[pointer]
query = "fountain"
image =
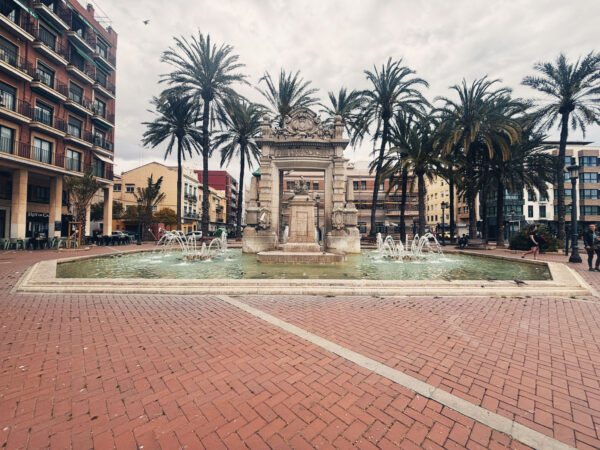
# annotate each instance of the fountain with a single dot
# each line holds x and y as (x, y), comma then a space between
(176, 240)
(391, 249)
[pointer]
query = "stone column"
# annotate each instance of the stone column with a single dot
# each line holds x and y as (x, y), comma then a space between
(88, 222)
(107, 220)
(18, 208)
(55, 213)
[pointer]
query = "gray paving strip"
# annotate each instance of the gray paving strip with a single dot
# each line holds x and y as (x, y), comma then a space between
(495, 421)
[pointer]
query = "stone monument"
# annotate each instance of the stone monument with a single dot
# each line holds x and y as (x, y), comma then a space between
(302, 143)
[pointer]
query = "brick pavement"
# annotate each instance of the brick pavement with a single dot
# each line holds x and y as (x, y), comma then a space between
(186, 371)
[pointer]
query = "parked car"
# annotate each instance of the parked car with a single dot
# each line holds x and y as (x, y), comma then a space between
(196, 235)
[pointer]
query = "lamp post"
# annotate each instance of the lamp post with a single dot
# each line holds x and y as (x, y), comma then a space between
(444, 206)
(317, 198)
(139, 233)
(512, 219)
(573, 175)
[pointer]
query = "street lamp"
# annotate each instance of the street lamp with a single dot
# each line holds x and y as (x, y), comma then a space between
(444, 206)
(317, 198)
(512, 219)
(573, 175)
(139, 236)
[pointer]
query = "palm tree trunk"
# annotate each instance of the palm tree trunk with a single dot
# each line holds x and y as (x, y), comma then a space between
(403, 205)
(483, 204)
(421, 194)
(238, 218)
(471, 195)
(205, 154)
(179, 181)
(384, 138)
(451, 188)
(560, 178)
(500, 214)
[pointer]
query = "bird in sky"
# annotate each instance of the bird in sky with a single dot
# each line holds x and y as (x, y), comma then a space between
(146, 21)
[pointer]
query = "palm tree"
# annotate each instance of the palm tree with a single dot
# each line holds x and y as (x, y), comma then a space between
(528, 167)
(574, 91)
(176, 119)
(345, 105)
(394, 91)
(290, 92)
(476, 119)
(81, 191)
(208, 72)
(150, 197)
(241, 121)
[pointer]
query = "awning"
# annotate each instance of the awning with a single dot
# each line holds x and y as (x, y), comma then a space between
(84, 55)
(103, 158)
(256, 173)
(83, 19)
(51, 25)
(26, 8)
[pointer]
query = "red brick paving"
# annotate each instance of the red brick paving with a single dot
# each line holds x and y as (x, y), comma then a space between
(174, 371)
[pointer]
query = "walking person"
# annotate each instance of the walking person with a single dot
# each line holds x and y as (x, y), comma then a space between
(591, 246)
(534, 242)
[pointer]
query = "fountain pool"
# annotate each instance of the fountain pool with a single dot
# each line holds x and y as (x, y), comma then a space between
(369, 265)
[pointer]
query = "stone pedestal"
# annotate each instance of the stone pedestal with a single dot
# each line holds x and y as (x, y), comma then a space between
(255, 241)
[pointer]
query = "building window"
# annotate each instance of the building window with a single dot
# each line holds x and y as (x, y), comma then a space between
(567, 193)
(45, 74)
(315, 186)
(75, 93)
(588, 210)
(380, 227)
(42, 150)
(542, 211)
(38, 194)
(530, 195)
(290, 185)
(588, 193)
(588, 161)
(362, 227)
(363, 185)
(543, 197)
(101, 77)
(7, 138)
(9, 52)
(130, 188)
(101, 48)
(98, 168)
(117, 188)
(8, 95)
(75, 127)
(99, 108)
(73, 160)
(43, 113)
(10, 10)
(48, 38)
(530, 211)
(588, 177)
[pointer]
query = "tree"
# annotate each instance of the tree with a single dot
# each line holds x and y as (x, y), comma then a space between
(97, 211)
(476, 120)
(291, 92)
(414, 139)
(81, 191)
(166, 216)
(131, 214)
(208, 72)
(241, 121)
(529, 166)
(345, 105)
(117, 209)
(150, 197)
(175, 123)
(574, 91)
(394, 90)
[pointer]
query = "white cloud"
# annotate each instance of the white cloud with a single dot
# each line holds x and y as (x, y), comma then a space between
(333, 42)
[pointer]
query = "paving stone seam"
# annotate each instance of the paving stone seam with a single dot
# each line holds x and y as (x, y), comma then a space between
(495, 421)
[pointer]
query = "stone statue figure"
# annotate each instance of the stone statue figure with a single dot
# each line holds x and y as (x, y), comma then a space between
(302, 187)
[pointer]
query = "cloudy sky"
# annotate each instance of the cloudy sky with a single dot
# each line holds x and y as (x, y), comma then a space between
(333, 42)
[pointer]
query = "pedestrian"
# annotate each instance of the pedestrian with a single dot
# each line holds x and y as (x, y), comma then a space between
(589, 241)
(534, 242)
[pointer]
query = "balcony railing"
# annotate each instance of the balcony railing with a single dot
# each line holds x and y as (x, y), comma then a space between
(17, 15)
(84, 67)
(9, 56)
(106, 85)
(51, 83)
(16, 105)
(103, 143)
(50, 120)
(86, 102)
(73, 164)
(52, 42)
(58, 9)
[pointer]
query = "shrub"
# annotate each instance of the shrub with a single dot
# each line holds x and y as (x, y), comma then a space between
(521, 241)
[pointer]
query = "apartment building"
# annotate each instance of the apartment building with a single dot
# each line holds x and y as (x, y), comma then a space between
(222, 181)
(125, 188)
(57, 103)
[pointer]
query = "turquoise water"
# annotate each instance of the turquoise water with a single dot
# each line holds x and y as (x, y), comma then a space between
(368, 265)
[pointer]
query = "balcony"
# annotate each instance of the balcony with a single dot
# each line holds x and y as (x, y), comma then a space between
(107, 60)
(102, 144)
(79, 104)
(14, 109)
(83, 71)
(14, 65)
(48, 45)
(48, 123)
(85, 40)
(78, 137)
(55, 12)
(102, 119)
(48, 87)
(15, 20)
(106, 89)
